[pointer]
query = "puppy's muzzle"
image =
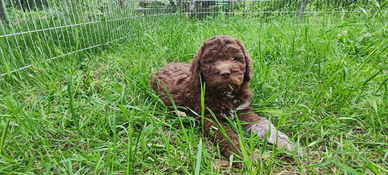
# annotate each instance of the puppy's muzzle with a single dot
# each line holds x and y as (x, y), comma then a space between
(224, 68)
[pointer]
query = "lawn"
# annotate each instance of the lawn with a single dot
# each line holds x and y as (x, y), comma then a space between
(323, 81)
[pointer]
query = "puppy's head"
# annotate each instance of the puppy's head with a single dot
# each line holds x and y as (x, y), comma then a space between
(223, 63)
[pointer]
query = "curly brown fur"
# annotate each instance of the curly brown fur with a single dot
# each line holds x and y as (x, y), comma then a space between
(224, 67)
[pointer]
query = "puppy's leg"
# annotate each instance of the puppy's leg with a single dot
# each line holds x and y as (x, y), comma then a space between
(212, 129)
(261, 126)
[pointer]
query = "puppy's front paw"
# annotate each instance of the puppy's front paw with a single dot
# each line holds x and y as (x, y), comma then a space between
(265, 127)
(284, 142)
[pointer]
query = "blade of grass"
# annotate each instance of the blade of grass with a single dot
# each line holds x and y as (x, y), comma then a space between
(346, 168)
(203, 91)
(5, 129)
(246, 159)
(71, 104)
(199, 157)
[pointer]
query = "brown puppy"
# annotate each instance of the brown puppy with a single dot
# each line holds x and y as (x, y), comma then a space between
(224, 67)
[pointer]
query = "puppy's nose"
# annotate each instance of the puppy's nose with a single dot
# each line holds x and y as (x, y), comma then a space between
(225, 74)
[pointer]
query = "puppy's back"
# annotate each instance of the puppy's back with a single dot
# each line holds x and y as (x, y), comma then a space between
(175, 77)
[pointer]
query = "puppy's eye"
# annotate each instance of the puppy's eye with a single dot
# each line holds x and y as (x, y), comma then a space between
(235, 59)
(211, 61)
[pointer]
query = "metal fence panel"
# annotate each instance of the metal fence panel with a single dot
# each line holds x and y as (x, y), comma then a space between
(37, 31)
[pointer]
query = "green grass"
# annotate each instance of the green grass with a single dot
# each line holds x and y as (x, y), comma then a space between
(322, 81)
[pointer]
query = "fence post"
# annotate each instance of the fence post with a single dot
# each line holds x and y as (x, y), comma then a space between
(302, 6)
(122, 4)
(2, 12)
(180, 6)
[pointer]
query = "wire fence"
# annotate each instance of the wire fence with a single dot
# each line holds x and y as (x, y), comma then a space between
(38, 31)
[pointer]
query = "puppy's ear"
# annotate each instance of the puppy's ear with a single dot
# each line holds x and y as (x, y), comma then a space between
(248, 62)
(195, 69)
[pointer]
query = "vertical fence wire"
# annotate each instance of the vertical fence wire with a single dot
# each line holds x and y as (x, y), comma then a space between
(28, 29)
(16, 23)
(41, 23)
(37, 31)
(43, 32)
